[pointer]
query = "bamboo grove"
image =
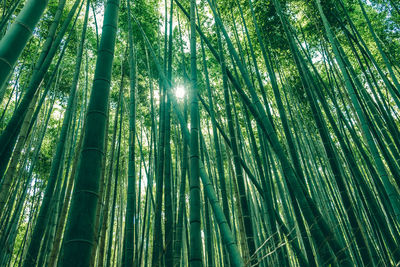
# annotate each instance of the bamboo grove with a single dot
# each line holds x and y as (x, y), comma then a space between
(199, 133)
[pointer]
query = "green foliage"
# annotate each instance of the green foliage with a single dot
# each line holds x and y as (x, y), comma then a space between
(293, 156)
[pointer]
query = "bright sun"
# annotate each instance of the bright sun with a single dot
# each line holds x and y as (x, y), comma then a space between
(180, 91)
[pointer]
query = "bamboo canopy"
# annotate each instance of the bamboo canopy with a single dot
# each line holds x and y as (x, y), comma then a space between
(199, 133)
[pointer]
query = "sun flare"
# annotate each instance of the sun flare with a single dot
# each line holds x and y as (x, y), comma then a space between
(180, 91)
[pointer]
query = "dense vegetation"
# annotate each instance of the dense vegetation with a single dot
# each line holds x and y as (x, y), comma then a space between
(199, 133)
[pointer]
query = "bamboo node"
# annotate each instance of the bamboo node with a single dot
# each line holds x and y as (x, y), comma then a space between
(24, 26)
(80, 241)
(6, 61)
(88, 191)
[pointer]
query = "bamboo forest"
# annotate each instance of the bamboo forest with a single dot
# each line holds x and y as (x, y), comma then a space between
(199, 133)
